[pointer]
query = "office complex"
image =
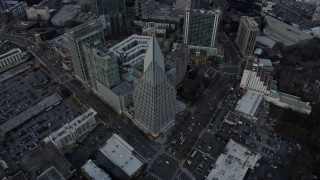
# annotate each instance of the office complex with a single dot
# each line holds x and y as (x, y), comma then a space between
(154, 94)
(102, 65)
(144, 8)
(121, 154)
(246, 36)
(88, 32)
(200, 27)
(74, 130)
(116, 12)
(257, 78)
(234, 162)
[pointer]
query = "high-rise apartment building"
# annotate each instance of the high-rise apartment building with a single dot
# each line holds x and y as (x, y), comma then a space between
(154, 94)
(102, 65)
(88, 32)
(247, 34)
(144, 8)
(200, 27)
(115, 10)
(200, 4)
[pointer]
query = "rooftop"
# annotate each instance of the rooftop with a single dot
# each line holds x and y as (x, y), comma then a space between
(282, 32)
(50, 174)
(43, 157)
(249, 103)
(94, 172)
(122, 89)
(265, 62)
(294, 101)
(78, 121)
(67, 12)
(232, 117)
(234, 162)
(120, 153)
(250, 21)
(10, 53)
(265, 41)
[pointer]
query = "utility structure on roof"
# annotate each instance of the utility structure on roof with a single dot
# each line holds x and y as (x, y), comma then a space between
(154, 94)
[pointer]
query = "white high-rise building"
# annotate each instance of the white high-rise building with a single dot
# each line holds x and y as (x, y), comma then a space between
(154, 94)
(255, 77)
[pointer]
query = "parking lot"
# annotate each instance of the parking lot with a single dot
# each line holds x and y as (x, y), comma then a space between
(203, 157)
(295, 12)
(21, 92)
(39, 127)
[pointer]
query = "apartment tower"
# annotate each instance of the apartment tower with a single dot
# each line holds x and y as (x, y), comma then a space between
(247, 34)
(88, 32)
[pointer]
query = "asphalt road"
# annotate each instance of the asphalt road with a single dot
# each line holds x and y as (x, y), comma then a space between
(138, 141)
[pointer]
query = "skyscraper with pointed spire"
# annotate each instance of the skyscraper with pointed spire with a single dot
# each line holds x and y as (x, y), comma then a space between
(154, 94)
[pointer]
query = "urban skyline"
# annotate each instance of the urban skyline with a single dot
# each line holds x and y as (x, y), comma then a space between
(159, 89)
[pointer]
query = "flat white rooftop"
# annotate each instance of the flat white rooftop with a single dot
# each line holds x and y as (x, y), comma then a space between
(249, 103)
(94, 172)
(119, 152)
(234, 162)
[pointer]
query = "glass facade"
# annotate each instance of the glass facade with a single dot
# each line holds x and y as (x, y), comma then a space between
(200, 27)
(88, 32)
(116, 12)
(103, 66)
(154, 94)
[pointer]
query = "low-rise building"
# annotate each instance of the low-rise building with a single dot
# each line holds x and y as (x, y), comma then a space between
(248, 104)
(50, 174)
(93, 172)
(232, 118)
(74, 130)
(66, 13)
(12, 58)
(118, 97)
(234, 162)
(35, 13)
(284, 33)
(15, 9)
(122, 155)
(149, 31)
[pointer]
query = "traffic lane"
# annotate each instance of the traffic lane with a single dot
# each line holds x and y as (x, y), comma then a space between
(142, 143)
(199, 123)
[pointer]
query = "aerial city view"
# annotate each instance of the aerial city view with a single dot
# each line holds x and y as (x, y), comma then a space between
(159, 89)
